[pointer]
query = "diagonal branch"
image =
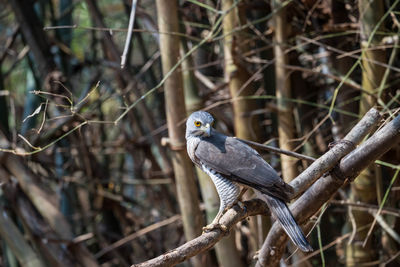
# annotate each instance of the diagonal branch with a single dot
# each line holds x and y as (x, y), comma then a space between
(322, 190)
(209, 239)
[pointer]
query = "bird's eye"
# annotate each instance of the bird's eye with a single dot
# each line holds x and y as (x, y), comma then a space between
(197, 123)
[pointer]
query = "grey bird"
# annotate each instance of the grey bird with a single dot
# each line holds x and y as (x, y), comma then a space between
(233, 165)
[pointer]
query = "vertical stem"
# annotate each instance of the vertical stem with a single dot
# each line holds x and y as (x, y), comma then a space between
(227, 254)
(236, 75)
(286, 125)
(364, 188)
(175, 110)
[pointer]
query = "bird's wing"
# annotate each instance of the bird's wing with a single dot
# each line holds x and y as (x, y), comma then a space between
(240, 163)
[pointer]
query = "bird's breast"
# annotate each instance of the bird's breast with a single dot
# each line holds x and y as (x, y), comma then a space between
(191, 145)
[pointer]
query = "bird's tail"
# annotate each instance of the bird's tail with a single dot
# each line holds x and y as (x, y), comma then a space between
(282, 213)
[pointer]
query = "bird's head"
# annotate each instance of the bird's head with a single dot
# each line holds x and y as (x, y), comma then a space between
(199, 124)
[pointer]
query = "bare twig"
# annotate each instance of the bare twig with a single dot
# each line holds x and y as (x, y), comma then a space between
(367, 207)
(137, 234)
(129, 36)
(277, 150)
(387, 227)
(331, 244)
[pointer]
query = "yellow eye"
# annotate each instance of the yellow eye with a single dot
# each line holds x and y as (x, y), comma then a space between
(197, 123)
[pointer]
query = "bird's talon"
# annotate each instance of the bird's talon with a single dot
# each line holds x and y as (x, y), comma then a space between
(208, 228)
(244, 209)
(223, 227)
(213, 226)
(242, 206)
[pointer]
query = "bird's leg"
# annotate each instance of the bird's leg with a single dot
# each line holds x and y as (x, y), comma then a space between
(237, 201)
(222, 209)
(215, 223)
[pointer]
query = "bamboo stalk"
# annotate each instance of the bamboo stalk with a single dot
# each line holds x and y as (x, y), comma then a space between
(227, 254)
(286, 124)
(237, 78)
(167, 12)
(15, 240)
(236, 74)
(364, 189)
(44, 202)
(111, 50)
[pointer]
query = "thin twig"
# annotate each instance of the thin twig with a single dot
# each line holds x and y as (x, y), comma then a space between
(381, 205)
(387, 228)
(129, 36)
(331, 244)
(137, 234)
(277, 150)
(367, 207)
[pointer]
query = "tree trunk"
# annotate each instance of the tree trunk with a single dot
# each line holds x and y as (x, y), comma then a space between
(175, 110)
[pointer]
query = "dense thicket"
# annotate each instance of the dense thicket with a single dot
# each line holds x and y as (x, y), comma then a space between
(93, 164)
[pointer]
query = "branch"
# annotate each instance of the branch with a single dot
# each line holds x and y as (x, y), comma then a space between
(276, 150)
(129, 35)
(327, 161)
(322, 190)
(209, 239)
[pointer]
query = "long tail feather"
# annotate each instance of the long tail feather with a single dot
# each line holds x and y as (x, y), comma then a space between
(282, 213)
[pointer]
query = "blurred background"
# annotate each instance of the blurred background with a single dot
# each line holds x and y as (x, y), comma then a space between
(93, 163)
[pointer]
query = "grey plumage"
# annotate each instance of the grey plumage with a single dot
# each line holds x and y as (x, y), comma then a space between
(230, 163)
(228, 192)
(282, 213)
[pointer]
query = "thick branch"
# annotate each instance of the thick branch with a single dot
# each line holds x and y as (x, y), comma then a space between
(209, 239)
(322, 190)
(327, 161)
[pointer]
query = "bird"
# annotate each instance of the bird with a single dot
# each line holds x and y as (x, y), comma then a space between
(233, 166)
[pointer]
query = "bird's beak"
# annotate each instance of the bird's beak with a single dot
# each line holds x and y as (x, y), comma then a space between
(207, 129)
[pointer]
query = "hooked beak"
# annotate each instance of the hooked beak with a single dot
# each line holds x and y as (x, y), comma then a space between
(207, 129)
